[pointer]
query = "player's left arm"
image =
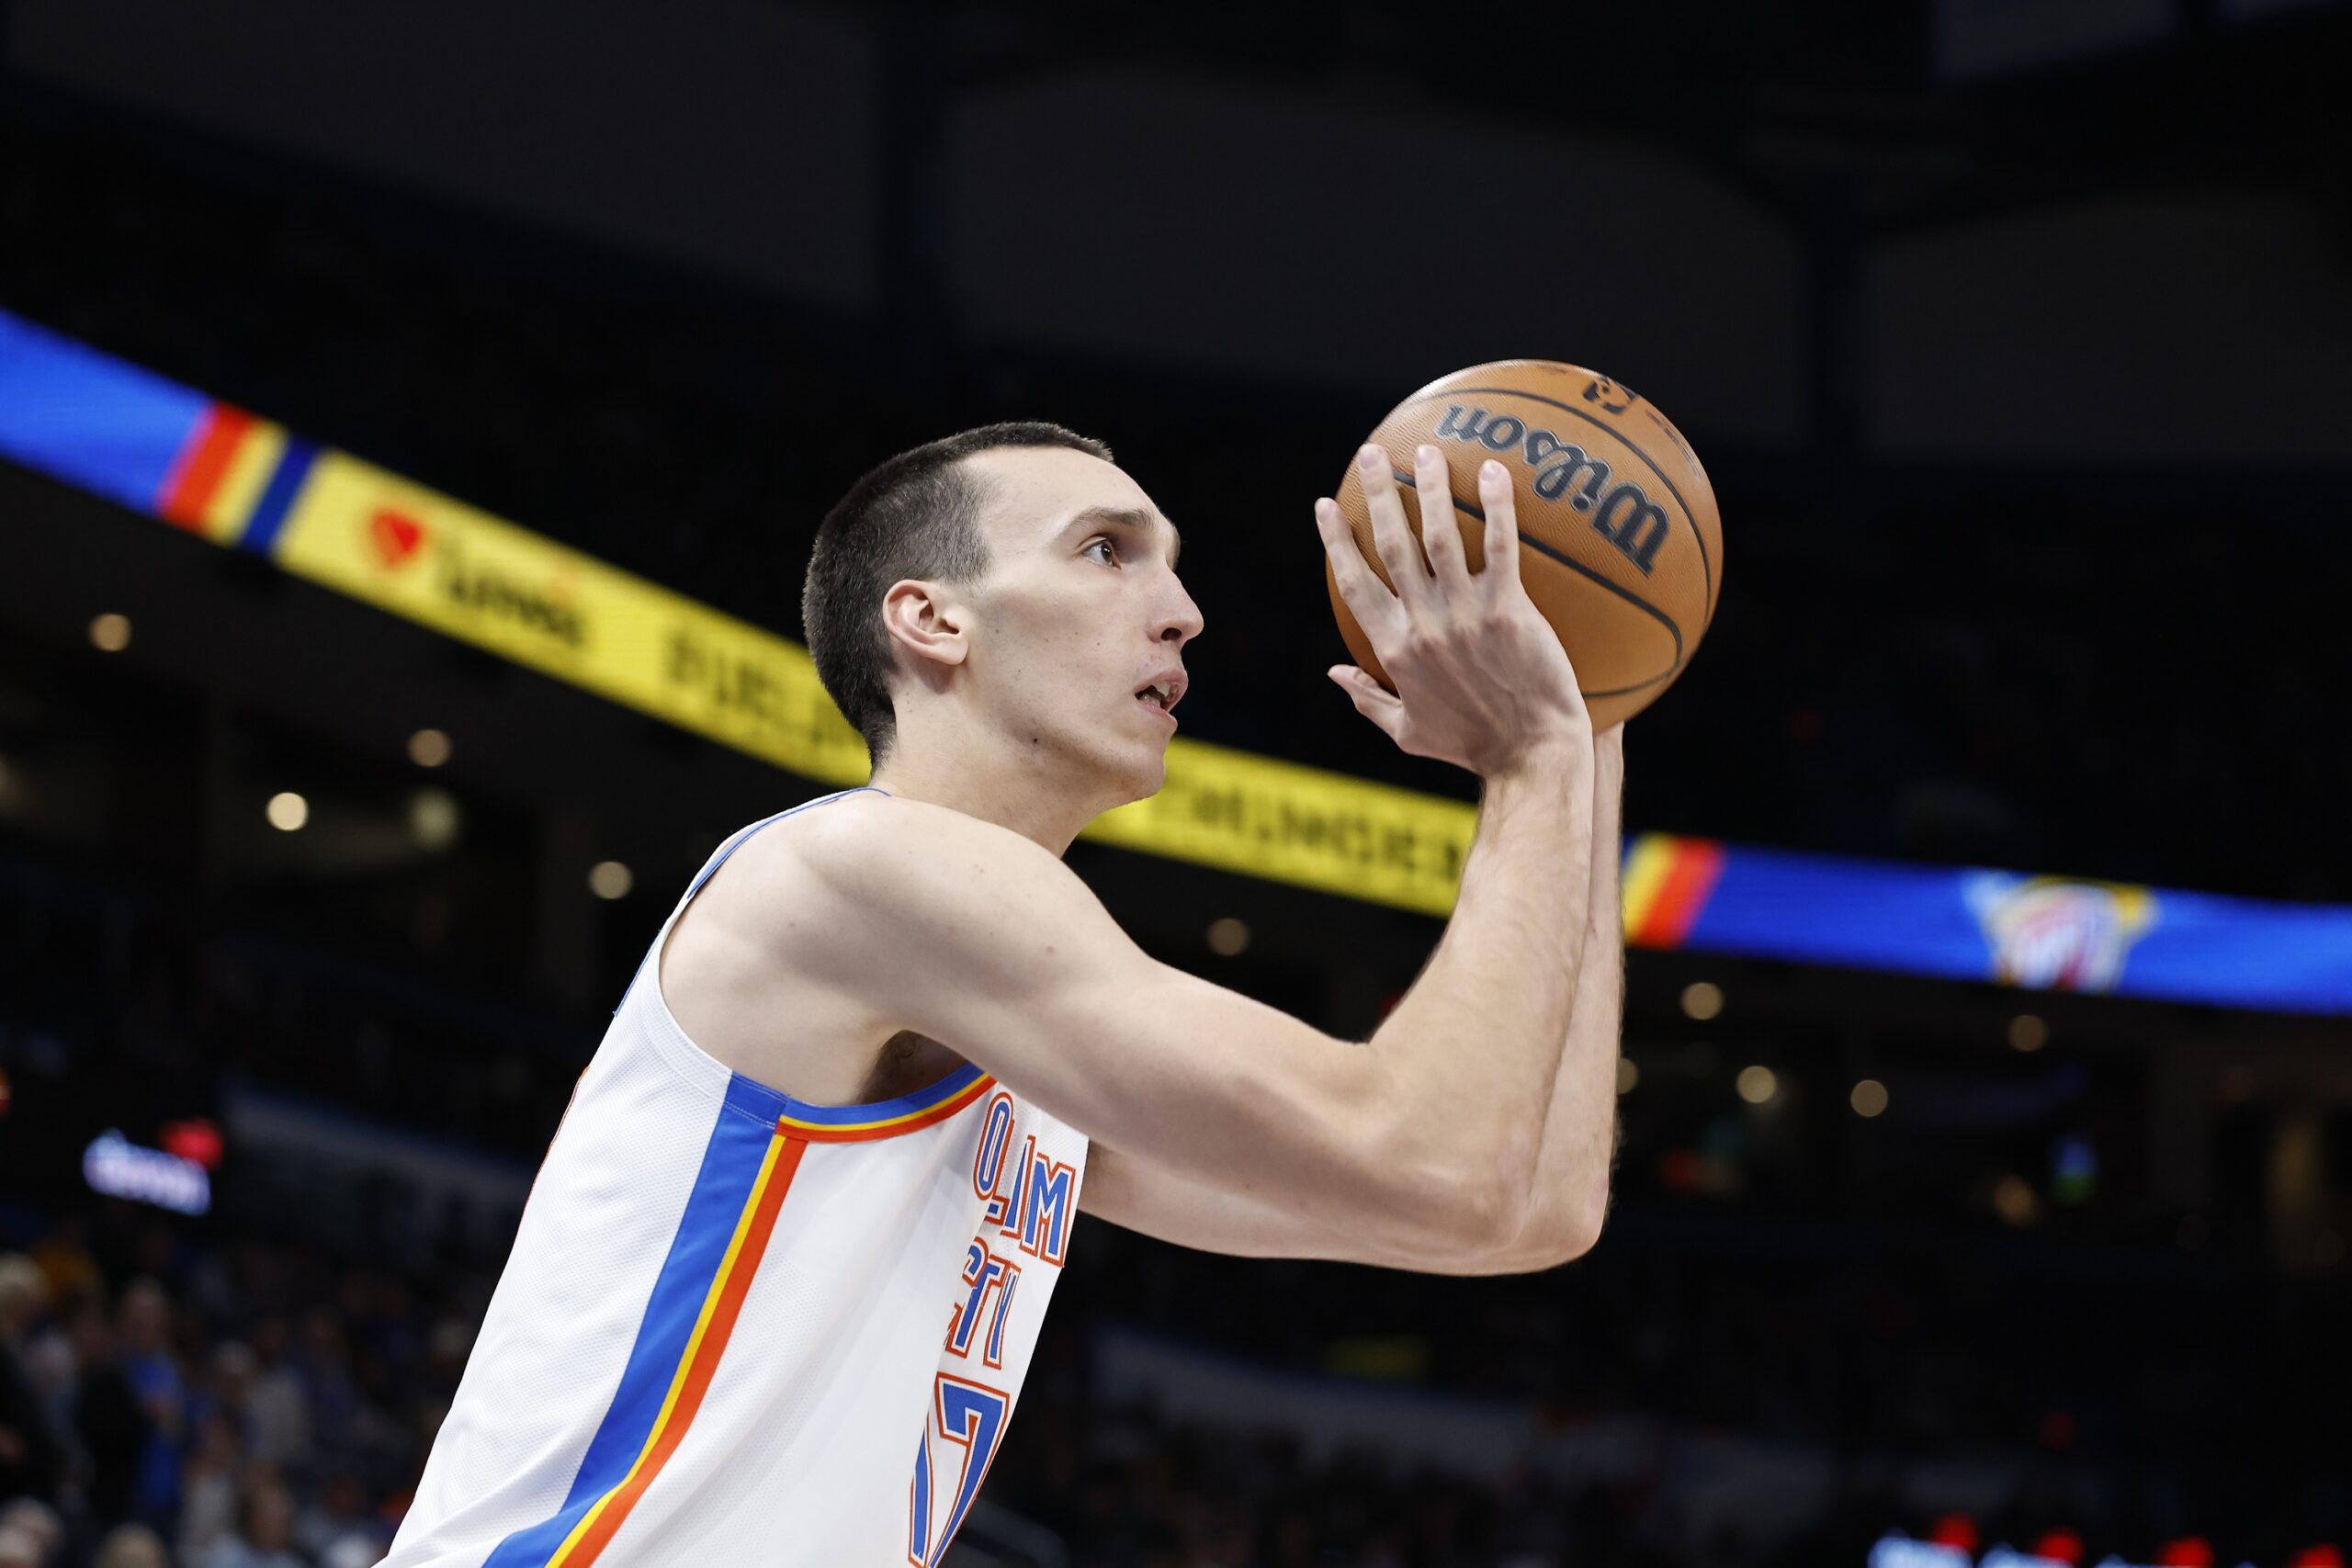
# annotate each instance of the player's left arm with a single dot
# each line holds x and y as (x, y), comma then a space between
(1571, 1194)
(1571, 1199)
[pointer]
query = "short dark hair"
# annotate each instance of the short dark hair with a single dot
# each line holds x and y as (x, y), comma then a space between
(916, 514)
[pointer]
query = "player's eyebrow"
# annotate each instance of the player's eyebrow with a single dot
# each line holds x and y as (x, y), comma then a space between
(1129, 517)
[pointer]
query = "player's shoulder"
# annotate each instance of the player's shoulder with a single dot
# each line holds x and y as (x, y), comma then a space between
(844, 892)
(869, 844)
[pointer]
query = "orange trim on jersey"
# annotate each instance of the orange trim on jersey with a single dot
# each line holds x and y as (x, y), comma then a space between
(721, 1308)
(888, 1127)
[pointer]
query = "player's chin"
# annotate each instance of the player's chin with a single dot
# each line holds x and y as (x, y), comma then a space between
(1144, 773)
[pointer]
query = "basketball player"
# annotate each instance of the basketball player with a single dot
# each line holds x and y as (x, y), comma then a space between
(782, 1271)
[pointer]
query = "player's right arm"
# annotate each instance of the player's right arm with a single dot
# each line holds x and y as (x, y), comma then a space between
(1425, 1138)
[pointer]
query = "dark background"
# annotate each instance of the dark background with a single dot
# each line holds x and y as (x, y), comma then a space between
(2012, 336)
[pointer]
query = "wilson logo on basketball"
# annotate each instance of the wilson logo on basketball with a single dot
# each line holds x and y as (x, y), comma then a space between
(1623, 513)
(396, 536)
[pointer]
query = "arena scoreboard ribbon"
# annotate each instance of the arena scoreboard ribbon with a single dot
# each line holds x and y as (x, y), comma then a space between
(246, 484)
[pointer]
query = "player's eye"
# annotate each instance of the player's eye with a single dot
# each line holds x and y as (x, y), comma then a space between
(1109, 555)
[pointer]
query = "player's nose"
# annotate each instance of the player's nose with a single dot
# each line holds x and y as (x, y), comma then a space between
(1179, 619)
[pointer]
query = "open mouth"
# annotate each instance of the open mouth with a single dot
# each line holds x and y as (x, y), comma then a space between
(1162, 695)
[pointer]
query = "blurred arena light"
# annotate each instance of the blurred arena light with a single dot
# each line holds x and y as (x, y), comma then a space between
(198, 1138)
(1868, 1098)
(2074, 1175)
(117, 1168)
(110, 633)
(1628, 1076)
(1956, 1531)
(2028, 1032)
(1758, 1084)
(610, 879)
(2060, 1545)
(287, 811)
(428, 748)
(1228, 937)
(2013, 1200)
(434, 818)
(1702, 999)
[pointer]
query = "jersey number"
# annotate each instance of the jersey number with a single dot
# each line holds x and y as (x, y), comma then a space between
(968, 1415)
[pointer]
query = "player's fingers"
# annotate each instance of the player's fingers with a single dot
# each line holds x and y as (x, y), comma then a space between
(1391, 535)
(1502, 523)
(1373, 700)
(1367, 598)
(1441, 535)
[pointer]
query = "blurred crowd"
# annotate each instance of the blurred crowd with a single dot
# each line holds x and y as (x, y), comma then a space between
(181, 1394)
(238, 1408)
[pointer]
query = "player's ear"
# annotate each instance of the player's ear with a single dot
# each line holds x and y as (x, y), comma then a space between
(928, 620)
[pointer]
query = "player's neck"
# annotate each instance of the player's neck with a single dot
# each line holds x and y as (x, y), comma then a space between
(1009, 793)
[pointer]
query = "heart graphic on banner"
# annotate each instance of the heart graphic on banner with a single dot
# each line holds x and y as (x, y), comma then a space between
(397, 535)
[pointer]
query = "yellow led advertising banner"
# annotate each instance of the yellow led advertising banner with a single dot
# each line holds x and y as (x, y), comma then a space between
(415, 552)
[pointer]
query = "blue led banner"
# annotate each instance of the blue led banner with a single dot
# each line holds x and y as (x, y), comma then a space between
(2040, 933)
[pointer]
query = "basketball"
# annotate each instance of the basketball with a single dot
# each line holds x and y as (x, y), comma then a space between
(1620, 543)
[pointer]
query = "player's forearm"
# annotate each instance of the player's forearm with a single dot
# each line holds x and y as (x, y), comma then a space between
(1571, 1189)
(1474, 1048)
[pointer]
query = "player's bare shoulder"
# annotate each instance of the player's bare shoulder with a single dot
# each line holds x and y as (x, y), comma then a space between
(838, 937)
(883, 849)
(893, 880)
(758, 942)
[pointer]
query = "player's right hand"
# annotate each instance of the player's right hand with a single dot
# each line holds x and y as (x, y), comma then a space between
(1481, 678)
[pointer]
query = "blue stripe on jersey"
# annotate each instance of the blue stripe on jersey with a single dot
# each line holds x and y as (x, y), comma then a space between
(731, 1168)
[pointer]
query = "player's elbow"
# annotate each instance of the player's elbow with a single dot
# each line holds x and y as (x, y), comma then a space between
(1502, 1201)
(1576, 1227)
(1491, 1211)
(1446, 1196)
(1579, 1230)
(1450, 1208)
(1490, 1203)
(1557, 1233)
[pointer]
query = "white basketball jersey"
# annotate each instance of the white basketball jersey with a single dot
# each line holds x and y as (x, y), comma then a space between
(737, 1329)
